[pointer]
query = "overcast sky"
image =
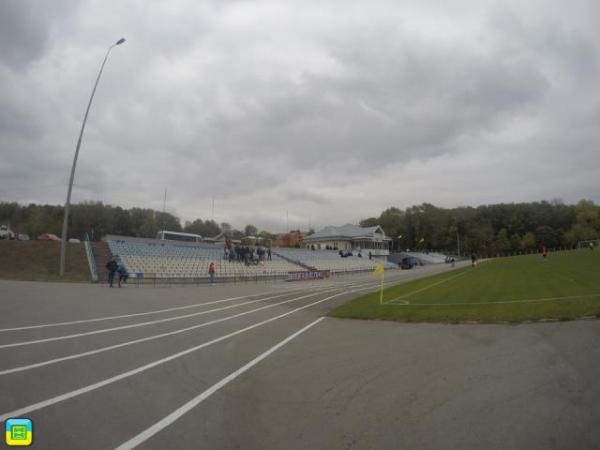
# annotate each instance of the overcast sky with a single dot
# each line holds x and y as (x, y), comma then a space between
(330, 109)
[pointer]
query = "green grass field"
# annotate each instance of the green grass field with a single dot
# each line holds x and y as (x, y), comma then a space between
(564, 286)
(38, 261)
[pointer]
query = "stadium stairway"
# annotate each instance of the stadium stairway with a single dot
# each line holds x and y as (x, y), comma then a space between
(102, 255)
(292, 261)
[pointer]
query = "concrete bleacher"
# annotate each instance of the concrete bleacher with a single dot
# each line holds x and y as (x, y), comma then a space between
(151, 258)
(331, 260)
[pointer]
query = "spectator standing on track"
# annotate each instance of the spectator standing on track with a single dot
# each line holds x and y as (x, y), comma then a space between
(269, 254)
(211, 272)
(591, 246)
(112, 267)
(473, 260)
(123, 274)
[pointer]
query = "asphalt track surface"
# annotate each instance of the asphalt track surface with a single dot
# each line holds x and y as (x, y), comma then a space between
(258, 366)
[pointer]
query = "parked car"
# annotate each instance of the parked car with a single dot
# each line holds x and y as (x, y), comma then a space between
(48, 237)
(74, 241)
(408, 263)
(23, 237)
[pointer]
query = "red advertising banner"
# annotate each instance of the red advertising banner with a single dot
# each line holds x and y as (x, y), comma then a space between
(308, 275)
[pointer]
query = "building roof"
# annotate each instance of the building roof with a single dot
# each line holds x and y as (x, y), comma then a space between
(347, 231)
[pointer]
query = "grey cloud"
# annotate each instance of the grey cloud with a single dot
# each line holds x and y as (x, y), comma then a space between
(307, 195)
(336, 111)
(26, 26)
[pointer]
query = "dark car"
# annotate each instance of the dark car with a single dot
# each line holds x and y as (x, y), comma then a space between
(408, 263)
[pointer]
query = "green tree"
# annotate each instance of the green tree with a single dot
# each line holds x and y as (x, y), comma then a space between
(211, 228)
(528, 242)
(546, 237)
(148, 228)
(37, 221)
(207, 228)
(237, 234)
(502, 243)
(250, 230)
(167, 222)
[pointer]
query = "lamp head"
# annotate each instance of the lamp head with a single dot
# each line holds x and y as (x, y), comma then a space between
(120, 41)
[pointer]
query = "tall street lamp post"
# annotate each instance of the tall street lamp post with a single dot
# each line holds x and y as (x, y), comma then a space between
(63, 244)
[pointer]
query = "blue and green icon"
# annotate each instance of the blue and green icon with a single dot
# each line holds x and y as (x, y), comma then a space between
(19, 432)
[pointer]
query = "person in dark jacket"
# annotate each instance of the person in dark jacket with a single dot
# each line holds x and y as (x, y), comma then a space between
(112, 267)
(123, 274)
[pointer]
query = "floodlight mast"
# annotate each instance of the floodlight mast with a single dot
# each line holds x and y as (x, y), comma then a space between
(63, 244)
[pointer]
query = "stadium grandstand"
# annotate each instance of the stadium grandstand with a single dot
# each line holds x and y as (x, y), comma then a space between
(330, 260)
(150, 258)
(184, 257)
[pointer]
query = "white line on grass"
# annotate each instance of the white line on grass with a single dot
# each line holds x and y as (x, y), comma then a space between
(426, 287)
(502, 302)
(169, 419)
(146, 339)
(135, 325)
(68, 395)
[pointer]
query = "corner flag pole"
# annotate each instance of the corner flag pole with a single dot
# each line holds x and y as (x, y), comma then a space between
(380, 270)
(381, 291)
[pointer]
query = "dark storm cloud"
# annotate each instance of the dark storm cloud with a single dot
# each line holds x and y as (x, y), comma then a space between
(392, 103)
(25, 28)
(333, 110)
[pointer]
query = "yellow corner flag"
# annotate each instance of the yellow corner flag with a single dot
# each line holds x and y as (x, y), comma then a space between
(380, 270)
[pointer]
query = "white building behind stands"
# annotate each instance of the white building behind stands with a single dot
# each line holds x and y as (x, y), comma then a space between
(351, 238)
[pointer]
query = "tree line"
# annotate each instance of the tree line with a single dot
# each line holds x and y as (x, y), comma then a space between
(499, 229)
(98, 219)
(489, 229)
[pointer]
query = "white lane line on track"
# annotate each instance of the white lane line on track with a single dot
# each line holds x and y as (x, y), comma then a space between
(153, 322)
(149, 338)
(135, 325)
(84, 390)
(169, 419)
(177, 308)
(125, 316)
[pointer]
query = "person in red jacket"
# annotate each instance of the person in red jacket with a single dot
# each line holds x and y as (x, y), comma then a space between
(544, 252)
(211, 272)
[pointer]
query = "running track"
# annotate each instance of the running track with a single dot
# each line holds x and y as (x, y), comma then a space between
(258, 366)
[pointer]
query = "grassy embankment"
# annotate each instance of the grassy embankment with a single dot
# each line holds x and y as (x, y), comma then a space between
(38, 261)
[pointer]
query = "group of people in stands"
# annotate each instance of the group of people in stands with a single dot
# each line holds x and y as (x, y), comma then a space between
(247, 254)
(341, 252)
(348, 254)
(327, 247)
